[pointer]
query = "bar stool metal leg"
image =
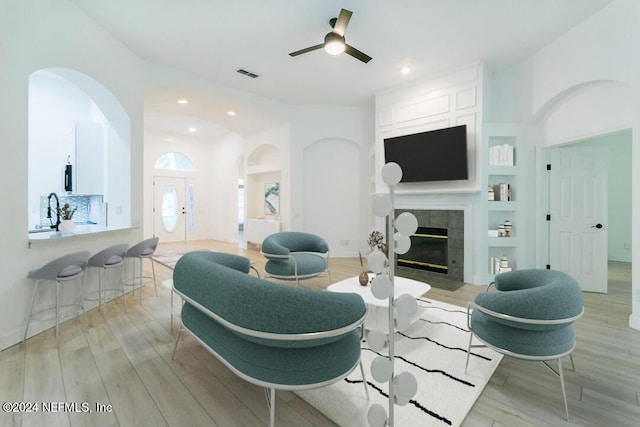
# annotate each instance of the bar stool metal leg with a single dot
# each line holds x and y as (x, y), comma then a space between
(121, 282)
(140, 251)
(111, 258)
(33, 301)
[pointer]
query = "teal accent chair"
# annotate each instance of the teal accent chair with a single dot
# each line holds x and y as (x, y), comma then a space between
(530, 317)
(295, 255)
(270, 334)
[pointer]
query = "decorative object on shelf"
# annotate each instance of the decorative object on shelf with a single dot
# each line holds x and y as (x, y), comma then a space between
(491, 195)
(501, 231)
(507, 227)
(504, 263)
(499, 265)
(501, 155)
(502, 192)
(403, 386)
(363, 278)
(494, 264)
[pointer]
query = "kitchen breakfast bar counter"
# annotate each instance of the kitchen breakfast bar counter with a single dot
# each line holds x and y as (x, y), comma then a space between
(80, 230)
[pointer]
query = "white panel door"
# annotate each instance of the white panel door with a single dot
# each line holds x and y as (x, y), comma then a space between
(578, 207)
(173, 200)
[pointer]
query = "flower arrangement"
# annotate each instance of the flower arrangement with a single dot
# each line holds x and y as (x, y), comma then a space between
(66, 212)
(375, 240)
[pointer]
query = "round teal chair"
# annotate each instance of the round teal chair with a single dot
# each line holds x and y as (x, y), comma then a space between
(295, 255)
(530, 317)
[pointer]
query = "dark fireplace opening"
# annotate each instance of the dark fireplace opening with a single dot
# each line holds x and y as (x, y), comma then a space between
(429, 250)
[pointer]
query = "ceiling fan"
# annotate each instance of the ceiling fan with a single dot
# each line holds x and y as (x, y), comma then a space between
(334, 42)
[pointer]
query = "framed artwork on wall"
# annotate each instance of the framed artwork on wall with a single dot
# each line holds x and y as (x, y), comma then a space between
(272, 198)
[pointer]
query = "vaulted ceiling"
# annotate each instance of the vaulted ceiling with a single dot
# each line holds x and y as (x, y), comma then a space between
(213, 39)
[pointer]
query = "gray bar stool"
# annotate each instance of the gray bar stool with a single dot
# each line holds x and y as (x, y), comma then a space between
(61, 270)
(140, 251)
(109, 258)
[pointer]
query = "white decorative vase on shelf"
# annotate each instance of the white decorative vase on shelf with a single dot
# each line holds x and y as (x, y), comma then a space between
(67, 226)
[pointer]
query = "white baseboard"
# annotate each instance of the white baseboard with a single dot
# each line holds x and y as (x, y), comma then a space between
(634, 321)
(620, 258)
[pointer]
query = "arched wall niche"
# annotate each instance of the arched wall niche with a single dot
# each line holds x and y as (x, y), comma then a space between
(75, 119)
(263, 168)
(328, 164)
(265, 154)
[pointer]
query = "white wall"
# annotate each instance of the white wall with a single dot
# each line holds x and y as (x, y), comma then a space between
(316, 128)
(562, 91)
(222, 183)
(39, 35)
(332, 179)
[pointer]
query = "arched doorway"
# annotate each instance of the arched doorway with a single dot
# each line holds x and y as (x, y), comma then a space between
(174, 198)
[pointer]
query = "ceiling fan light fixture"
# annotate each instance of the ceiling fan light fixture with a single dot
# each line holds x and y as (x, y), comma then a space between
(334, 44)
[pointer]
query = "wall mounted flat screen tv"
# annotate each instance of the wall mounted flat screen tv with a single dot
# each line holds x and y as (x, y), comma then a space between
(437, 155)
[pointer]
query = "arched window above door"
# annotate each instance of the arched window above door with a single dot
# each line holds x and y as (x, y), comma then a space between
(174, 161)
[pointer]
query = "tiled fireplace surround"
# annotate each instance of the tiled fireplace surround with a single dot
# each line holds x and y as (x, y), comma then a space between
(453, 221)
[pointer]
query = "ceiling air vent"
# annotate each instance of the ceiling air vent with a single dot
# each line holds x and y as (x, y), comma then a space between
(247, 73)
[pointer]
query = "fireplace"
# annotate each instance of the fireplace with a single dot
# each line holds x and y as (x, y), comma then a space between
(429, 250)
(437, 247)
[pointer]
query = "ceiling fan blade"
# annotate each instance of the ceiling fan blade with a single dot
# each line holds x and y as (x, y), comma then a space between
(343, 20)
(308, 49)
(350, 50)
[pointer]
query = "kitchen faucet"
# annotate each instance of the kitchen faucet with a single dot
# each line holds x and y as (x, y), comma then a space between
(57, 211)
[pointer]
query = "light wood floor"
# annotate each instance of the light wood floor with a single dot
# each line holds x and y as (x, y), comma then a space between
(125, 361)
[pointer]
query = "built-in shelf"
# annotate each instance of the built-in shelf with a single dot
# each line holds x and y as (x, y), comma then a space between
(502, 206)
(264, 168)
(498, 211)
(501, 241)
(502, 170)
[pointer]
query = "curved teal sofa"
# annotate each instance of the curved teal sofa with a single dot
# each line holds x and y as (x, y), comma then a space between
(273, 335)
(530, 317)
(295, 255)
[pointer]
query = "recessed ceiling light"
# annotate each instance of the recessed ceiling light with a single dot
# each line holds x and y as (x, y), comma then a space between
(405, 69)
(169, 139)
(231, 113)
(182, 101)
(192, 129)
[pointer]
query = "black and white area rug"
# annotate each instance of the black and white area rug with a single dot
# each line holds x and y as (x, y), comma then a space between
(434, 350)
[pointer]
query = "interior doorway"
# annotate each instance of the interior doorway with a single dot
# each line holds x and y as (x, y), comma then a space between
(173, 208)
(617, 205)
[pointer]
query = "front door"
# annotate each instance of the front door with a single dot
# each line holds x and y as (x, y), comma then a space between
(173, 208)
(578, 207)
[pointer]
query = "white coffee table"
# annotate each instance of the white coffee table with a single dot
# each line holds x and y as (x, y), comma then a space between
(378, 316)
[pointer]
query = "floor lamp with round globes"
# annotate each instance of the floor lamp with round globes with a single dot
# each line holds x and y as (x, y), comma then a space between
(402, 386)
